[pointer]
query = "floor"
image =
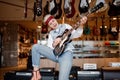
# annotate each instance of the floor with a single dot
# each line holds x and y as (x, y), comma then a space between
(3, 70)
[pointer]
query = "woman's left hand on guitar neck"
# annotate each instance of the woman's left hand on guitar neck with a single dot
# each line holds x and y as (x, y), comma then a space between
(83, 20)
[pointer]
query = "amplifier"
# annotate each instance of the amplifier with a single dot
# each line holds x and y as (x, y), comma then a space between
(111, 74)
(89, 75)
(46, 73)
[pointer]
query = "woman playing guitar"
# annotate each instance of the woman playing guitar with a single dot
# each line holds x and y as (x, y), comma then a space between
(54, 38)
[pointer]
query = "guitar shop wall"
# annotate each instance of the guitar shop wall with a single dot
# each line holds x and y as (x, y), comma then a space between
(100, 40)
(16, 43)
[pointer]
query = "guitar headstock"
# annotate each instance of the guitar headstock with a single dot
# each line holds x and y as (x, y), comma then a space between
(97, 7)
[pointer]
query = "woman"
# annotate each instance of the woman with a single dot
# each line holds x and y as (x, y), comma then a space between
(64, 60)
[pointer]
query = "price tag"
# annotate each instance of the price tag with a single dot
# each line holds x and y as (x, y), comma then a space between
(89, 66)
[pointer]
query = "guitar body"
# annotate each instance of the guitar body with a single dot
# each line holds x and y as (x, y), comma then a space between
(96, 31)
(25, 11)
(34, 11)
(39, 7)
(86, 30)
(46, 11)
(83, 8)
(53, 7)
(103, 31)
(59, 49)
(44, 29)
(72, 11)
(58, 14)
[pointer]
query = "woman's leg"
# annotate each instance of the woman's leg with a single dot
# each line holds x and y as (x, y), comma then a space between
(65, 62)
(37, 51)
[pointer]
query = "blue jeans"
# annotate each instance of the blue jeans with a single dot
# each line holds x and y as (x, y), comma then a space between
(65, 60)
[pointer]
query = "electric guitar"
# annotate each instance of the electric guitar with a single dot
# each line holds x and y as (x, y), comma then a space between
(71, 12)
(37, 8)
(96, 29)
(65, 37)
(83, 6)
(114, 9)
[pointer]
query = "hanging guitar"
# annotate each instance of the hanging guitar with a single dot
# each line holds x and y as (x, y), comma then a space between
(65, 37)
(114, 9)
(83, 6)
(58, 14)
(46, 11)
(70, 9)
(86, 29)
(44, 29)
(25, 10)
(37, 9)
(103, 28)
(114, 29)
(96, 29)
(52, 7)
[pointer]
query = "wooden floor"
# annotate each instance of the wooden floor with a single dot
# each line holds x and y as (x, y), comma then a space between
(3, 70)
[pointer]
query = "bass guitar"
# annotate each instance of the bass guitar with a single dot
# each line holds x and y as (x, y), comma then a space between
(65, 37)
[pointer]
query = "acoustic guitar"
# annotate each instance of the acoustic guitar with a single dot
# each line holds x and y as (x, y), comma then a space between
(59, 48)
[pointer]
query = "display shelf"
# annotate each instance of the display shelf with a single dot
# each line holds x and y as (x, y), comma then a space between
(96, 49)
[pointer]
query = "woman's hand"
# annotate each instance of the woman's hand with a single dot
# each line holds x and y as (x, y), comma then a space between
(56, 42)
(83, 20)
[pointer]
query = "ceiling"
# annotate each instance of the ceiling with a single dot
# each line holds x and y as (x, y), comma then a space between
(13, 10)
